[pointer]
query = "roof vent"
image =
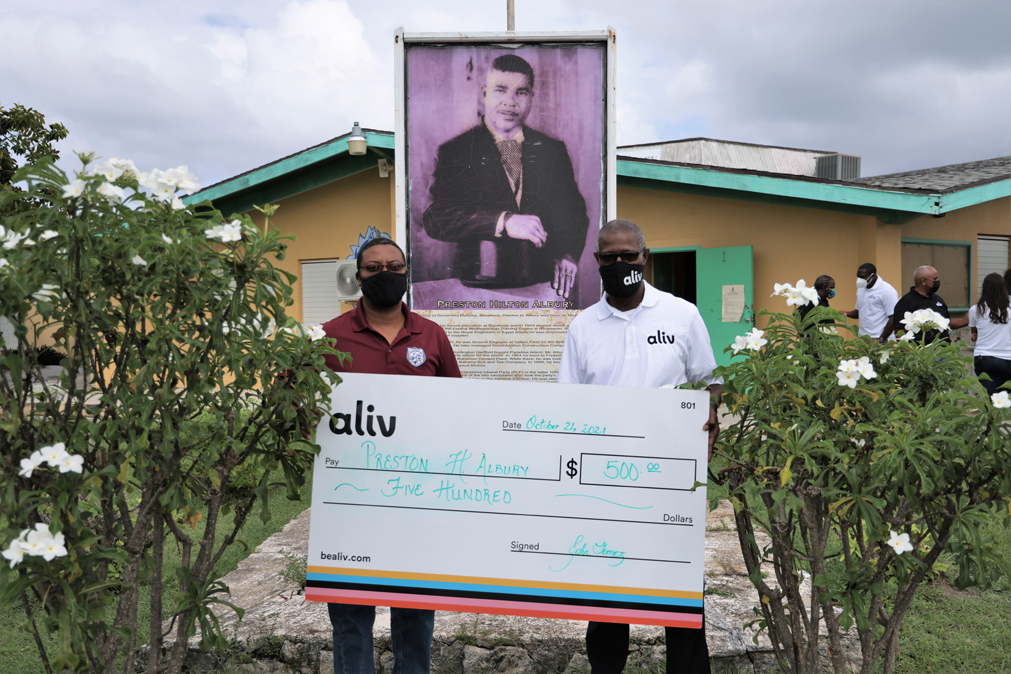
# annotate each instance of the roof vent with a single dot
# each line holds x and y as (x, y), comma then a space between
(837, 167)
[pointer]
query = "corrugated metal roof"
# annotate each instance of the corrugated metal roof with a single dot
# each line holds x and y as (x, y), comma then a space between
(728, 154)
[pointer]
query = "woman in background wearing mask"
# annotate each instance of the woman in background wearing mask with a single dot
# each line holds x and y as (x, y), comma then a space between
(990, 321)
(825, 285)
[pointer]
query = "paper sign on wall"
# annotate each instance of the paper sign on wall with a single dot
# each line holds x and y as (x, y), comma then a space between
(733, 303)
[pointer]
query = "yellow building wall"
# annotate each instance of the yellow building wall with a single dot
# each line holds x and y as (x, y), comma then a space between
(966, 224)
(327, 220)
(788, 242)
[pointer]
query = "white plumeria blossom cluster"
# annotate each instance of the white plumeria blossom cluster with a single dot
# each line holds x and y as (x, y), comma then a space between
(227, 233)
(1001, 400)
(56, 456)
(163, 185)
(923, 319)
(752, 341)
(900, 543)
(799, 295)
(850, 371)
(37, 542)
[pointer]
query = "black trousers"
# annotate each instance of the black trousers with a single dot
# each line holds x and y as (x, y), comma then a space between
(607, 649)
(998, 369)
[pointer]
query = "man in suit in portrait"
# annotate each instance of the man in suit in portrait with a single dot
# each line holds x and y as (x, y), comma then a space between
(506, 195)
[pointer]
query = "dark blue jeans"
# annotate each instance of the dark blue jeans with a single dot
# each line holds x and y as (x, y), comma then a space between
(411, 630)
(998, 369)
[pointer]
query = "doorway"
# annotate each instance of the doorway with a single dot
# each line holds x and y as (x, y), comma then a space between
(673, 272)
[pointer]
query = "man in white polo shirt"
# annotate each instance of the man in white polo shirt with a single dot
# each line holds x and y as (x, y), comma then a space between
(637, 335)
(876, 300)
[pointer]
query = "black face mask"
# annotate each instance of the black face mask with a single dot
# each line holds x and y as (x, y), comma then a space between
(621, 279)
(934, 288)
(385, 288)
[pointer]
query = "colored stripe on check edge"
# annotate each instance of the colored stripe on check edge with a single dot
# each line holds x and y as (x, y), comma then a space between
(532, 609)
(458, 589)
(505, 582)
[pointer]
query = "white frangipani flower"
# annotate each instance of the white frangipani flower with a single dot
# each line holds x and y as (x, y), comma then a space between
(1001, 399)
(900, 543)
(167, 240)
(48, 234)
(53, 547)
(740, 343)
(109, 171)
(884, 356)
(31, 463)
(15, 552)
(226, 233)
(781, 290)
(54, 453)
(847, 366)
(37, 539)
(755, 340)
(113, 192)
(47, 291)
(72, 463)
(908, 337)
(316, 332)
(865, 368)
(139, 261)
(849, 378)
(924, 319)
(74, 189)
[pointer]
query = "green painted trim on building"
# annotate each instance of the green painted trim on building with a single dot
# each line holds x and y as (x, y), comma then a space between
(888, 216)
(939, 242)
(975, 195)
(677, 249)
(293, 184)
(877, 199)
(283, 169)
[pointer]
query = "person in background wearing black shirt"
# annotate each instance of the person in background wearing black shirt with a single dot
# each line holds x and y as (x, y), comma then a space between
(825, 285)
(923, 295)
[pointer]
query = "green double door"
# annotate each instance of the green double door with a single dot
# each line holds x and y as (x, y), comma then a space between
(719, 273)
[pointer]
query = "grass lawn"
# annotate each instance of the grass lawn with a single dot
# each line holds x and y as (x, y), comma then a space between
(18, 653)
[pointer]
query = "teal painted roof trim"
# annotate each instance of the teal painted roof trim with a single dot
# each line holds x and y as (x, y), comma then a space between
(259, 178)
(894, 206)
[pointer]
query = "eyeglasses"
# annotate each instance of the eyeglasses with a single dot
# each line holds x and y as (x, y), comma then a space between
(629, 257)
(375, 267)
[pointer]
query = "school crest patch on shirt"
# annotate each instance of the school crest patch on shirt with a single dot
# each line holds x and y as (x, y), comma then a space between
(416, 356)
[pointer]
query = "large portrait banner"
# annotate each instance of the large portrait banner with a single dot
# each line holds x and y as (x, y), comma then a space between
(506, 166)
(506, 174)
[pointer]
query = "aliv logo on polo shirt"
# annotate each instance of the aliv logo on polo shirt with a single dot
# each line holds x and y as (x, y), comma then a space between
(660, 337)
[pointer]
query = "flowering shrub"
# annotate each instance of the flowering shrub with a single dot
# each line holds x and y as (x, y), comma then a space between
(175, 374)
(863, 463)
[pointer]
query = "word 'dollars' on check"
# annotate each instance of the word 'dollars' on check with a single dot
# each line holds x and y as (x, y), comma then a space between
(518, 498)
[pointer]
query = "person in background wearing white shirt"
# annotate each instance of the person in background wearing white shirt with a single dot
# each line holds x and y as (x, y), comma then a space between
(990, 321)
(637, 335)
(876, 300)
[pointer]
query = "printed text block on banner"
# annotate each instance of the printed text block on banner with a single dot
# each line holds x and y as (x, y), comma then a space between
(519, 498)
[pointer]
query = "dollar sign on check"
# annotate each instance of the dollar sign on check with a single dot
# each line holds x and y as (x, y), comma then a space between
(571, 472)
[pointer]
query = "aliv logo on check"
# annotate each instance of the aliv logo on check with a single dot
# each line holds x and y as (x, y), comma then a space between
(340, 424)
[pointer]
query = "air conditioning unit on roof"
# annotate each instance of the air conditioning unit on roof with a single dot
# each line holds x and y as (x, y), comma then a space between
(837, 167)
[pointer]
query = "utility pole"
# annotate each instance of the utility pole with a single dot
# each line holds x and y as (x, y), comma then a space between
(511, 16)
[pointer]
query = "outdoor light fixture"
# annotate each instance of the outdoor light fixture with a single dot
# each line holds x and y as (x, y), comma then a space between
(357, 143)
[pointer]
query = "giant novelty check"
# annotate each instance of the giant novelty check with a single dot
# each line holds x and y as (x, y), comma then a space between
(515, 498)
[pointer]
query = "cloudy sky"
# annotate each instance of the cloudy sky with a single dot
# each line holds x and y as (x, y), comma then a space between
(225, 86)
